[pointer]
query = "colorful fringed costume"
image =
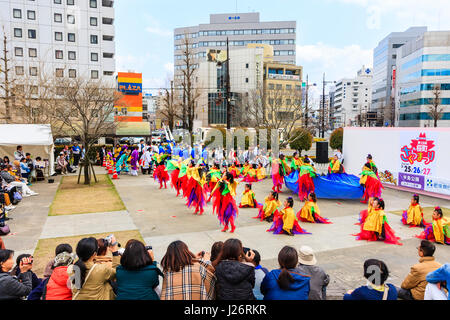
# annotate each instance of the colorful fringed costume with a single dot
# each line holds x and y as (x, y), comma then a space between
(261, 173)
(121, 164)
(305, 181)
(250, 176)
(248, 200)
(213, 177)
(376, 227)
(224, 204)
(196, 190)
(245, 170)
(269, 209)
(372, 185)
(173, 167)
(413, 217)
(160, 173)
(296, 163)
(335, 166)
(284, 222)
(280, 169)
(363, 214)
(437, 231)
(183, 178)
(234, 171)
(311, 213)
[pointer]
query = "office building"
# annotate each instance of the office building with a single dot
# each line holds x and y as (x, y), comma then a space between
(423, 70)
(352, 99)
(241, 29)
(384, 66)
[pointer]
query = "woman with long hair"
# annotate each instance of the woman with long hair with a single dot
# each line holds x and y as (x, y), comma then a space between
(286, 283)
(187, 276)
(91, 281)
(235, 272)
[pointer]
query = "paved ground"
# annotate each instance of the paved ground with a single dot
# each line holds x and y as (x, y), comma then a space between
(163, 218)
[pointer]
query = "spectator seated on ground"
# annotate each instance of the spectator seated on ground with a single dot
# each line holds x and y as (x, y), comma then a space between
(319, 279)
(376, 272)
(286, 283)
(25, 171)
(18, 154)
(61, 163)
(11, 287)
(260, 273)
(16, 270)
(439, 280)
(413, 287)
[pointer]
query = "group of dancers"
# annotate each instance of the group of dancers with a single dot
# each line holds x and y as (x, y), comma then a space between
(200, 184)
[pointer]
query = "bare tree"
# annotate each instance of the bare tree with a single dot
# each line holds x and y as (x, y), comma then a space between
(435, 111)
(86, 109)
(188, 86)
(168, 106)
(7, 81)
(275, 109)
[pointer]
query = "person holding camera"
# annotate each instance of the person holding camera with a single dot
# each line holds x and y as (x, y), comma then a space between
(187, 276)
(91, 281)
(11, 287)
(137, 275)
(16, 271)
(235, 272)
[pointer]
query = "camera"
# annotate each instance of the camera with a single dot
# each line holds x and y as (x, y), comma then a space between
(108, 240)
(148, 248)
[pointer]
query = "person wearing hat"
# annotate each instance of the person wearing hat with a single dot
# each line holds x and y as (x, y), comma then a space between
(319, 279)
(57, 288)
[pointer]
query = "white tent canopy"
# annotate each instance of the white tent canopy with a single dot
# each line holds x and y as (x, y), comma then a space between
(36, 139)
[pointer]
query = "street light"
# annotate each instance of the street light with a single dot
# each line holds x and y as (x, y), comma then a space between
(323, 105)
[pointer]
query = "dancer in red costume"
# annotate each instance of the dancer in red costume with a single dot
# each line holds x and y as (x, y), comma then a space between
(173, 167)
(305, 179)
(270, 207)
(370, 181)
(223, 203)
(196, 189)
(438, 230)
(251, 175)
(376, 226)
(280, 169)
(160, 173)
(285, 222)
(363, 214)
(248, 198)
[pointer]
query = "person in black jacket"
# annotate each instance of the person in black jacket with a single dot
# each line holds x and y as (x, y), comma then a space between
(14, 288)
(235, 272)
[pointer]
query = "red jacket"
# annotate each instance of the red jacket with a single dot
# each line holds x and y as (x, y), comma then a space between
(57, 285)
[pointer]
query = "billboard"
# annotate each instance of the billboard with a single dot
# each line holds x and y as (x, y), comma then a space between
(215, 55)
(413, 158)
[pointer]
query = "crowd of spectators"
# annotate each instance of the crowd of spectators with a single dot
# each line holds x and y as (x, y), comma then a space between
(100, 269)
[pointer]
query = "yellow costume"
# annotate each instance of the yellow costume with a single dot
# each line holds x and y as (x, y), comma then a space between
(261, 173)
(374, 221)
(248, 199)
(270, 206)
(117, 152)
(308, 209)
(234, 171)
(335, 166)
(288, 219)
(415, 215)
(245, 170)
(296, 163)
(439, 227)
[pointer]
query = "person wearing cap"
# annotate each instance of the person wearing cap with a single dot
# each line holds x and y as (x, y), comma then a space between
(57, 288)
(307, 264)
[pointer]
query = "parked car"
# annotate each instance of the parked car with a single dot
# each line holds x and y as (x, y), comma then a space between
(63, 141)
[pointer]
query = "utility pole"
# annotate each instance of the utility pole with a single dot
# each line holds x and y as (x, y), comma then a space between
(227, 88)
(306, 105)
(323, 109)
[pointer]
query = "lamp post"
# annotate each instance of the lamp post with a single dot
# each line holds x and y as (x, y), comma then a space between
(227, 88)
(307, 100)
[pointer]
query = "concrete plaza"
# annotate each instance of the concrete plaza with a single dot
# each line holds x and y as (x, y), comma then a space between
(161, 218)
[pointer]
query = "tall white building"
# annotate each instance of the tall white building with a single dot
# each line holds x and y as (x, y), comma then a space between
(422, 65)
(352, 97)
(70, 38)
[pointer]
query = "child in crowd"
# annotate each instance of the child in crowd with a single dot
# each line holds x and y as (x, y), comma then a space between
(310, 211)
(413, 217)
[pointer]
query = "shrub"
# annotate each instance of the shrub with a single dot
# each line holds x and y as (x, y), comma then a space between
(337, 138)
(301, 139)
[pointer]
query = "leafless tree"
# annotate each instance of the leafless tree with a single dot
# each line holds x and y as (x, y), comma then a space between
(435, 110)
(86, 109)
(189, 86)
(7, 81)
(168, 106)
(275, 109)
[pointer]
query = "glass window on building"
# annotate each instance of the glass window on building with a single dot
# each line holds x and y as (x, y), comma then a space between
(72, 73)
(71, 37)
(32, 52)
(19, 70)
(33, 71)
(17, 13)
(18, 52)
(93, 21)
(31, 15)
(57, 17)
(17, 32)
